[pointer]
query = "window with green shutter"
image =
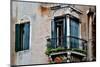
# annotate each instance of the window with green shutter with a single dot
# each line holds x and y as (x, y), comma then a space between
(22, 36)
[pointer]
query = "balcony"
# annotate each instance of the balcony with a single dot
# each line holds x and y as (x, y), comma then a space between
(73, 46)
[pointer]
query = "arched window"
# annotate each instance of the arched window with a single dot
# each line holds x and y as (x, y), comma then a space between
(22, 36)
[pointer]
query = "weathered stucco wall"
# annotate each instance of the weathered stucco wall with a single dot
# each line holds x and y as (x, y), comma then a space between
(40, 25)
(40, 28)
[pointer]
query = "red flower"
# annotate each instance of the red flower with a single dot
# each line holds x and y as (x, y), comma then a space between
(58, 60)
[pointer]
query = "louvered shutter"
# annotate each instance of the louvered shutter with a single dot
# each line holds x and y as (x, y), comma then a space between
(64, 33)
(17, 38)
(74, 30)
(53, 34)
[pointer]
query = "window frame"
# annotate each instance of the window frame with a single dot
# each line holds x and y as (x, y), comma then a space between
(68, 23)
(21, 45)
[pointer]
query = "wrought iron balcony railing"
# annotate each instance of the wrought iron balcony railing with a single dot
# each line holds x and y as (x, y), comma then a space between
(67, 43)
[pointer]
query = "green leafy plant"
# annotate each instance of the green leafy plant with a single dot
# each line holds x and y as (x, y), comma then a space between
(59, 49)
(52, 50)
(79, 50)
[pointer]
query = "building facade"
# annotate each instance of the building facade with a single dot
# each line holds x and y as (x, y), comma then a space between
(43, 33)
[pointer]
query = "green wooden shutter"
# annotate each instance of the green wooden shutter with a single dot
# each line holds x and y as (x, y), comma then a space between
(17, 38)
(75, 33)
(53, 34)
(64, 33)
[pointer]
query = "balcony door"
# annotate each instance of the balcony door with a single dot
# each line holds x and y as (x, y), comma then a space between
(58, 29)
